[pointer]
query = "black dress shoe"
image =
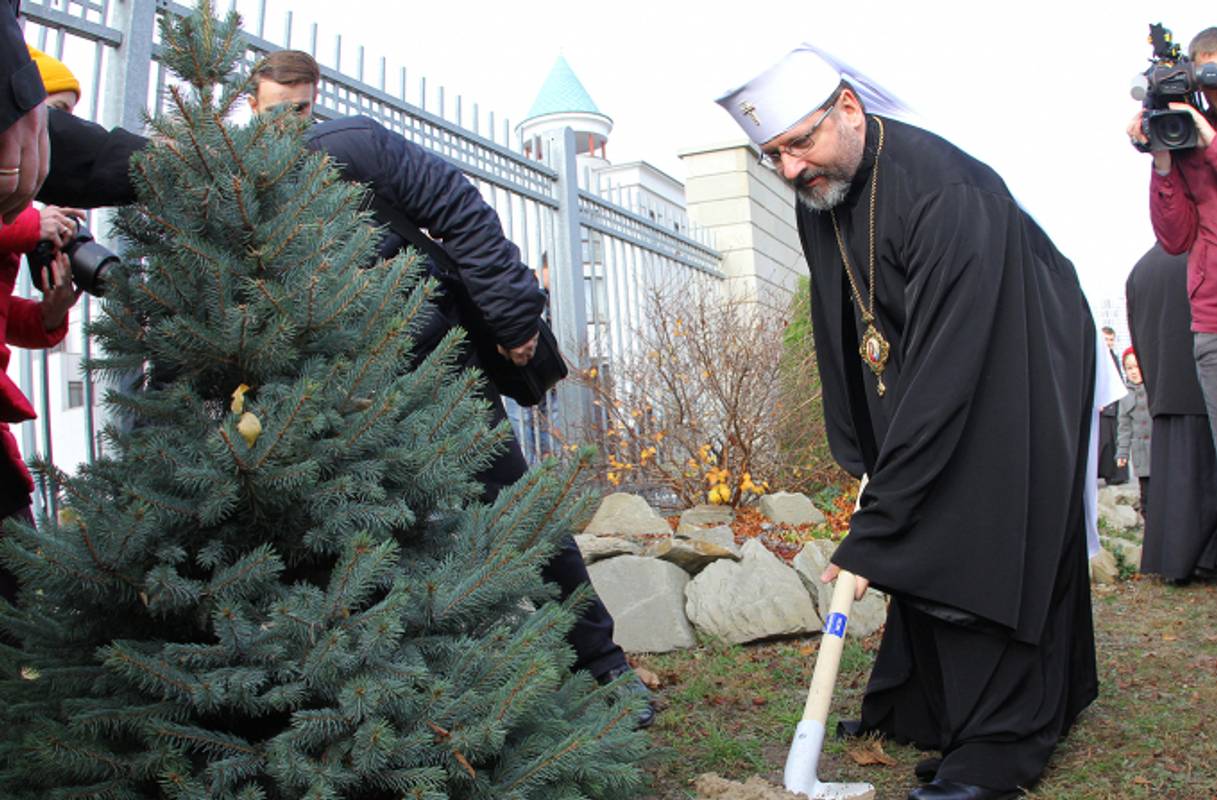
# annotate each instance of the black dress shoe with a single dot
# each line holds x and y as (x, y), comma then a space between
(849, 728)
(632, 685)
(950, 790)
(927, 769)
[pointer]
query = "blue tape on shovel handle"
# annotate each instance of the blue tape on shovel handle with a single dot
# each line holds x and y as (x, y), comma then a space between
(835, 624)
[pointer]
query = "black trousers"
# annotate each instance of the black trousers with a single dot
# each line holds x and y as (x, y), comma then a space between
(1108, 470)
(592, 635)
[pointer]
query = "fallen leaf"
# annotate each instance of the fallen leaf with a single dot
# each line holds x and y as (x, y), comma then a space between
(869, 753)
(647, 677)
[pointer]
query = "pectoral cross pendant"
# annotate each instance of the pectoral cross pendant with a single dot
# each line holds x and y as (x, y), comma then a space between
(874, 350)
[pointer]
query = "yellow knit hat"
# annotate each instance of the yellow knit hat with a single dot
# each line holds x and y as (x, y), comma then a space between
(56, 77)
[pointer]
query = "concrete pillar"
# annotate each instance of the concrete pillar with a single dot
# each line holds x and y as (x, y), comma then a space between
(750, 211)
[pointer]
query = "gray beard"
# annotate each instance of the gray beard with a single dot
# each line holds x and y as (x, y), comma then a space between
(830, 196)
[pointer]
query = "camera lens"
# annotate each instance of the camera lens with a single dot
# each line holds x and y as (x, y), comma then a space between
(1172, 130)
(90, 263)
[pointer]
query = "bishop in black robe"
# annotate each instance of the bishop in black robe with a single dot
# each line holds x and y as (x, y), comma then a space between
(975, 430)
(973, 518)
(1181, 527)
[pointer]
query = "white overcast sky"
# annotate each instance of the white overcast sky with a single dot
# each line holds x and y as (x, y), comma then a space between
(1037, 89)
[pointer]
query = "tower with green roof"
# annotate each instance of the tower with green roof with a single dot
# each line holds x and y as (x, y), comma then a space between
(563, 102)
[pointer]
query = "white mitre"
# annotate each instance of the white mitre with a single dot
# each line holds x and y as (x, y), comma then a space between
(804, 79)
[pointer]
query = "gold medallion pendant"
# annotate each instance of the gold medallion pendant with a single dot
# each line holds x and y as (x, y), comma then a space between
(874, 350)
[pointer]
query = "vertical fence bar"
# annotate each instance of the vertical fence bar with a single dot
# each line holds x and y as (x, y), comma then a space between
(566, 277)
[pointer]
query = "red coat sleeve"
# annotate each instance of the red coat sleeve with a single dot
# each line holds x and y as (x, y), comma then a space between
(21, 234)
(25, 328)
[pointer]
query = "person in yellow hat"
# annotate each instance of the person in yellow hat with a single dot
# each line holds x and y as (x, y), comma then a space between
(62, 88)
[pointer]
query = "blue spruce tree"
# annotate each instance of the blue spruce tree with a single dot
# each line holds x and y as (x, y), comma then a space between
(280, 584)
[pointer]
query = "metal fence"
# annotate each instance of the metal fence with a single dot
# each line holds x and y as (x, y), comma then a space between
(596, 252)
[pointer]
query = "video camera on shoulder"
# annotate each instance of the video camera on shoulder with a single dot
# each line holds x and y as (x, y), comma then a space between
(1171, 78)
(90, 261)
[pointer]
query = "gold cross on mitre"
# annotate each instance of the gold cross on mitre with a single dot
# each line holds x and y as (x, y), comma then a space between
(749, 111)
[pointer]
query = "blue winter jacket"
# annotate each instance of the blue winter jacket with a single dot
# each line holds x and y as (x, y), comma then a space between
(439, 199)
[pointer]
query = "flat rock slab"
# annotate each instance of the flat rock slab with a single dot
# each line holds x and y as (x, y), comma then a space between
(622, 514)
(691, 555)
(721, 536)
(790, 508)
(646, 597)
(757, 598)
(707, 516)
(597, 548)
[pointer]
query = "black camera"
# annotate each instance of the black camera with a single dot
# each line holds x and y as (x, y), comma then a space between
(1171, 78)
(90, 261)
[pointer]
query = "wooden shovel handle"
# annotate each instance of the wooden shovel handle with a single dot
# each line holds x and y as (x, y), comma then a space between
(832, 642)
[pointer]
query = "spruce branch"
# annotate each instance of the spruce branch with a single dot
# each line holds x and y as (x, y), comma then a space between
(176, 94)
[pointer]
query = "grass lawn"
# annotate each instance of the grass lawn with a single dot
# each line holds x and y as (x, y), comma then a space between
(1151, 734)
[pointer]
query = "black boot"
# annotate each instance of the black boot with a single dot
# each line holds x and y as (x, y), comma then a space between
(632, 685)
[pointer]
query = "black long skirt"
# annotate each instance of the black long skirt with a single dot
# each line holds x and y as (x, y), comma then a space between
(1181, 528)
(995, 706)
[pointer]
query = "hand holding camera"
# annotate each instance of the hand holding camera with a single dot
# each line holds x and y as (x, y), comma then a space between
(89, 261)
(58, 294)
(58, 224)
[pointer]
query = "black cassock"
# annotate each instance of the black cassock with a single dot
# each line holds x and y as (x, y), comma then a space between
(973, 519)
(1181, 532)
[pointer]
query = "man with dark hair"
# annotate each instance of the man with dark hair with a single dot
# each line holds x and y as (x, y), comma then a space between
(958, 360)
(435, 196)
(1183, 210)
(1181, 526)
(285, 77)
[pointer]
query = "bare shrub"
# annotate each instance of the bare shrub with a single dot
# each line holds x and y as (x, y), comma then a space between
(717, 399)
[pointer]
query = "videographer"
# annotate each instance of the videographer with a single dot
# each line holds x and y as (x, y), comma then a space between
(1183, 210)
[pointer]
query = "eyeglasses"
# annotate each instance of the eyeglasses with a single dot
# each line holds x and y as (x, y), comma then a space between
(797, 148)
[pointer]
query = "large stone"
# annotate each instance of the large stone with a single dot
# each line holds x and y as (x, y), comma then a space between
(1103, 567)
(721, 536)
(790, 508)
(646, 599)
(1124, 494)
(1117, 514)
(865, 616)
(622, 514)
(707, 516)
(757, 598)
(597, 548)
(1130, 550)
(691, 555)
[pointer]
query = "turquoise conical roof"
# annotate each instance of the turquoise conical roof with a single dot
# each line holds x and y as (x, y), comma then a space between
(562, 93)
